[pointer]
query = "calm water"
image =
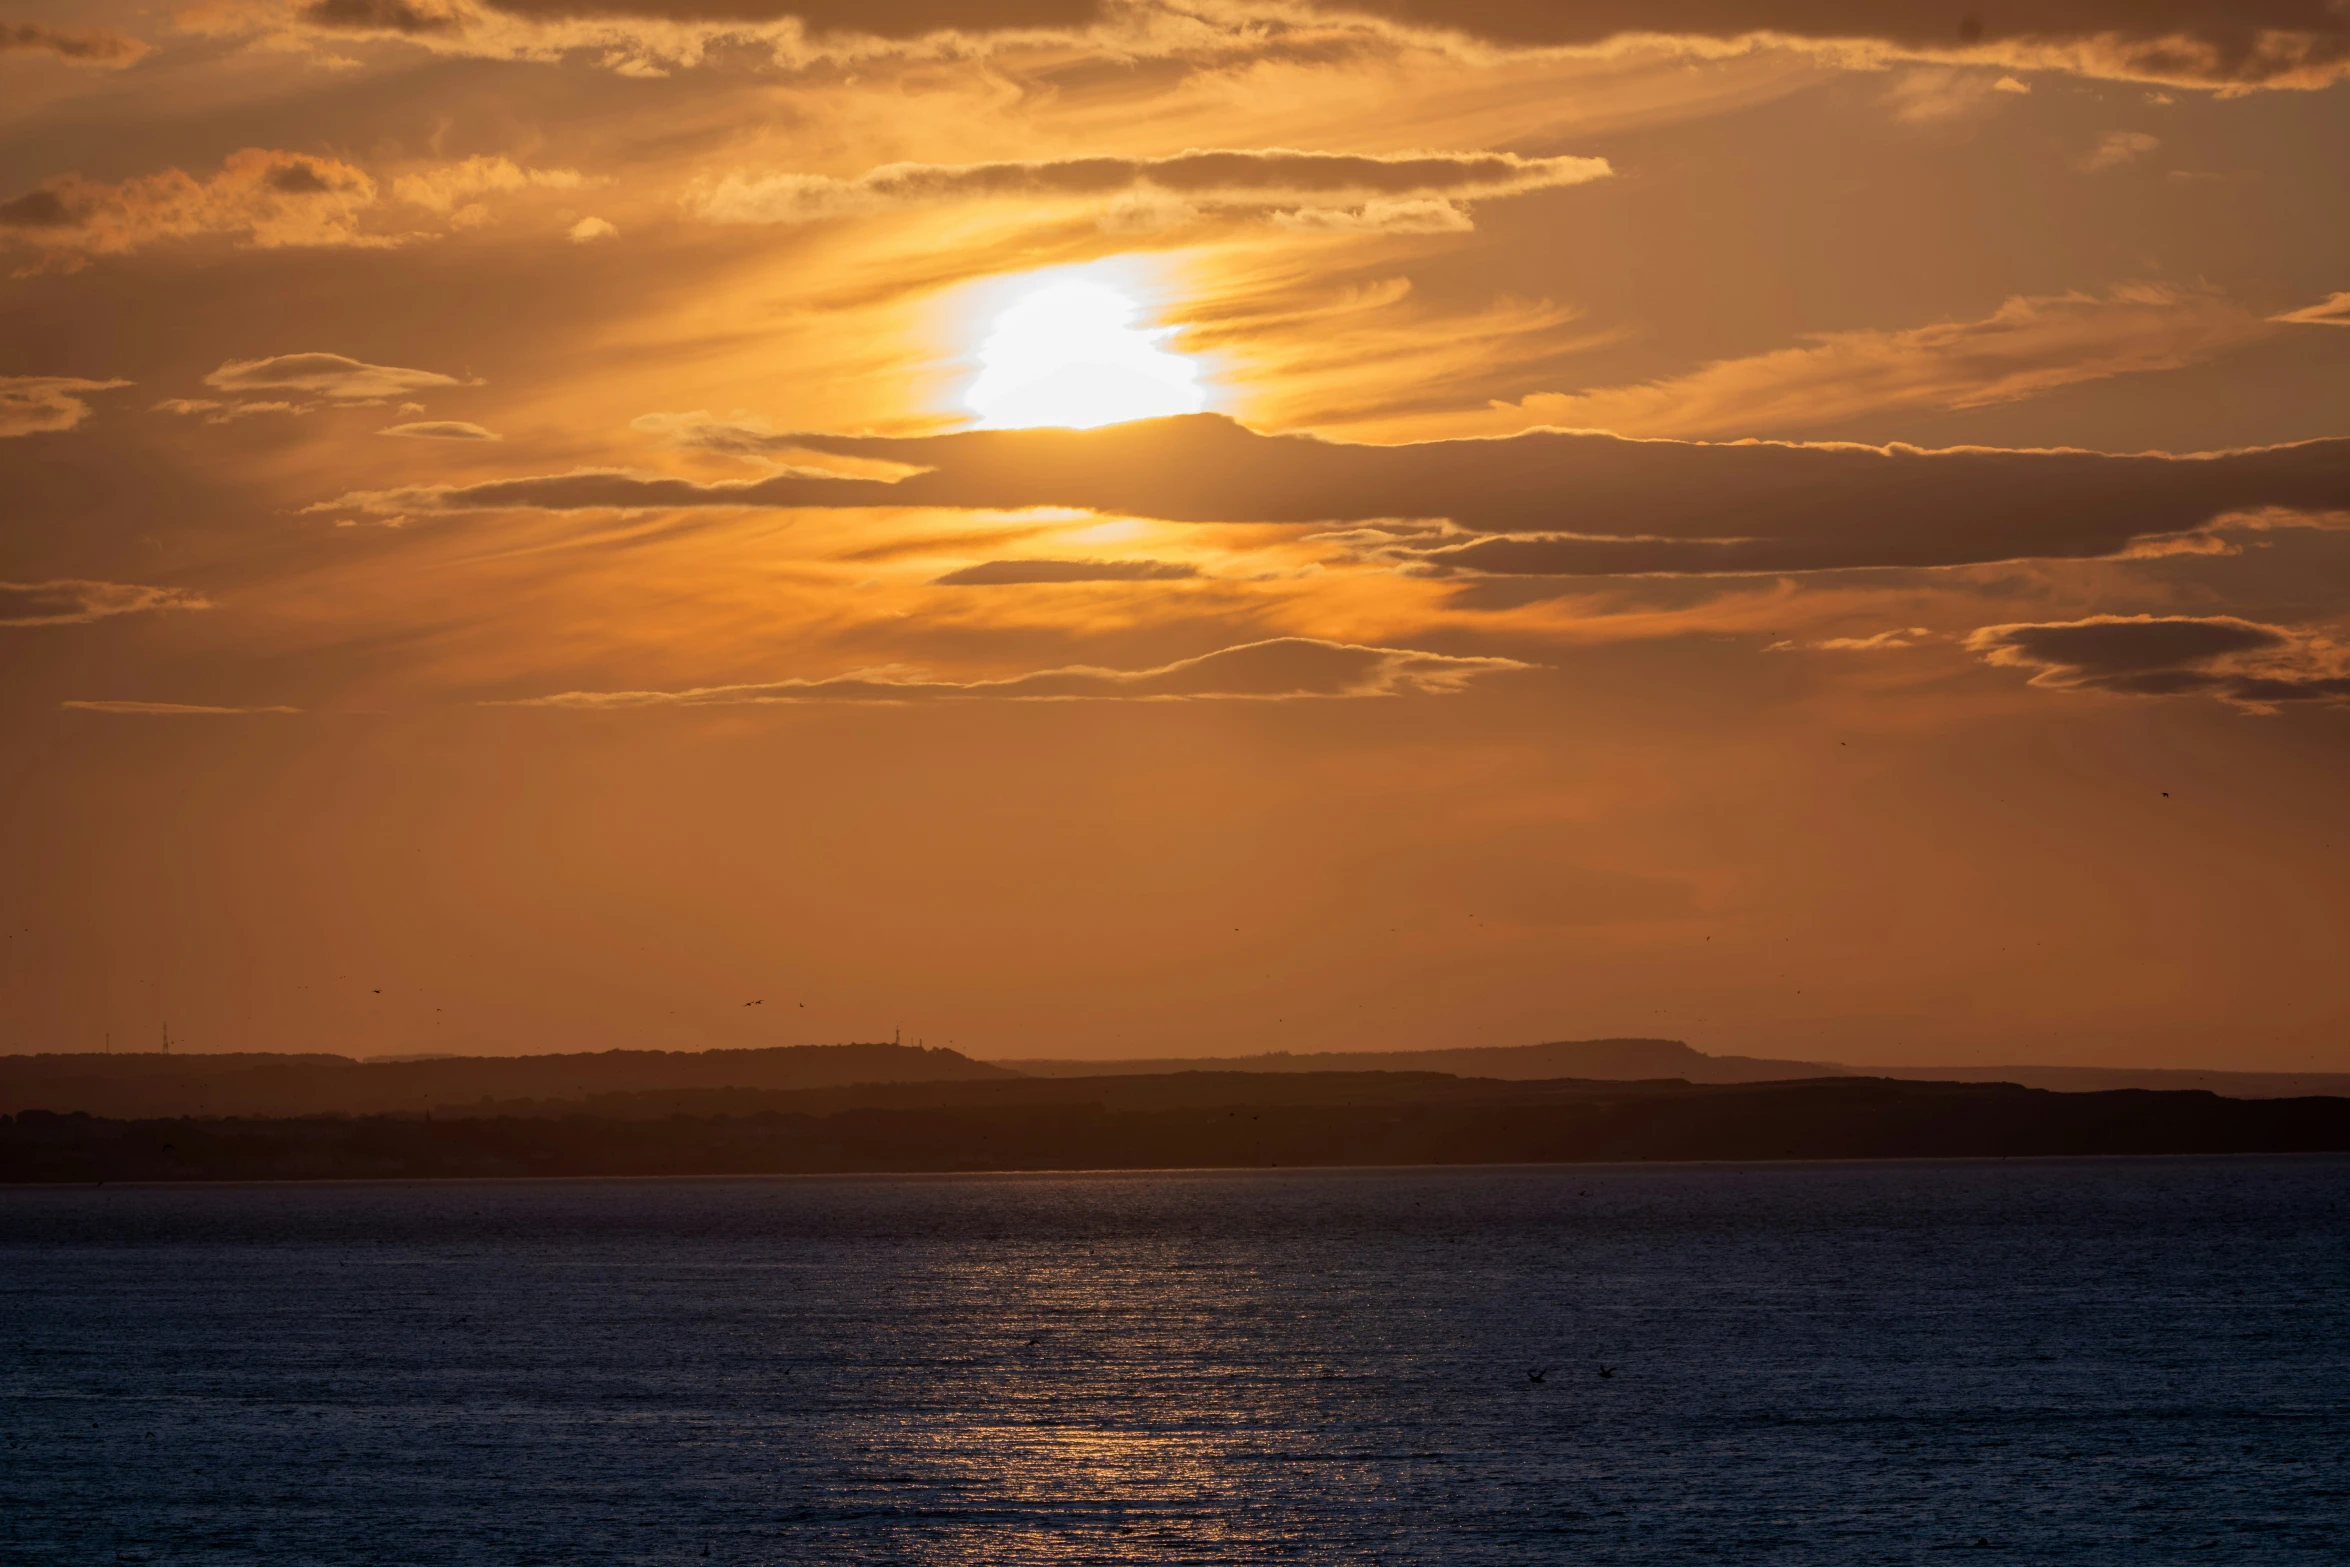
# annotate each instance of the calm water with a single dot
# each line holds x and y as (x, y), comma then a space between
(2096, 1361)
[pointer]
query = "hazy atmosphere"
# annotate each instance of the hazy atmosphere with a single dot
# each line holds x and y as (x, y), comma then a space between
(1819, 530)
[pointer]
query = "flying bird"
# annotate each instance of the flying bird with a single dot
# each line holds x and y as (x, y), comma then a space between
(754, 1003)
(1607, 1371)
(1536, 1376)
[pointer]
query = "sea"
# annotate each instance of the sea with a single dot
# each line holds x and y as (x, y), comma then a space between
(2080, 1361)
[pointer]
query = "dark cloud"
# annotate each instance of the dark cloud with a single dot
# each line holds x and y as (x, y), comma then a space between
(94, 46)
(885, 19)
(1268, 178)
(2240, 661)
(381, 16)
(2216, 43)
(2196, 43)
(1282, 669)
(299, 179)
(38, 209)
(1545, 503)
(68, 602)
(1008, 573)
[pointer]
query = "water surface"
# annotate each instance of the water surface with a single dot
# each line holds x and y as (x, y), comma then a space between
(2093, 1361)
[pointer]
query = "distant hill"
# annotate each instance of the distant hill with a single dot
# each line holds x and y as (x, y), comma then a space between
(1613, 1060)
(1632, 1060)
(154, 1084)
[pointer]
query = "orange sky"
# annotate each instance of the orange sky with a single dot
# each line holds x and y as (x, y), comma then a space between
(1811, 527)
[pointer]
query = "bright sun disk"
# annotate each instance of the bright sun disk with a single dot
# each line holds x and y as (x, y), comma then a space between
(1070, 354)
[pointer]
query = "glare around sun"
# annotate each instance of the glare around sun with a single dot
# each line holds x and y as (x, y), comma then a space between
(1071, 354)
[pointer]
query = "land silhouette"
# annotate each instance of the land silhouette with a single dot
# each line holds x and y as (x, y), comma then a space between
(812, 1109)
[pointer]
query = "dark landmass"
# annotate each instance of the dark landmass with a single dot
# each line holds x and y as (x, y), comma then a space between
(154, 1084)
(635, 1084)
(1633, 1059)
(1180, 1121)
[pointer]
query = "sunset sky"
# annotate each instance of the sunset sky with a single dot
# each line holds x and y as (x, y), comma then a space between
(1813, 527)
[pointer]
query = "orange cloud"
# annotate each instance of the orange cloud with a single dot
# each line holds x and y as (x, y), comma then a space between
(2333, 311)
(332, 376)
(265, 198)
(44, 404)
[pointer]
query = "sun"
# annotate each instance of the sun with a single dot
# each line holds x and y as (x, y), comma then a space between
(1070, 354)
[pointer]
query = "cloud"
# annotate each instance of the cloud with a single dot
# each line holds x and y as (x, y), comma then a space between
(1899, 637)
(2241, 661)
(217, 412)
(2028, 346)
(266, 198)
(169, 709)
(1006, 573)
(1405, 191)
(2335, 311)
(70, 602)
(2224, 44)
(442, 430)
(587, 230)
(1282, 669)
(2117, 149)
(45, 404)
(331, 376)
(1931, 95)
(2227, 45)
(409, 18)
(1542, 503)
(450, 186)
(95, 46)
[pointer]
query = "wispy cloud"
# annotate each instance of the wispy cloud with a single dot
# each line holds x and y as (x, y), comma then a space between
(169, 709)
(2334, 310)
(2029, 346)
(1281, 669)
(72, 602)
(1009, 573)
